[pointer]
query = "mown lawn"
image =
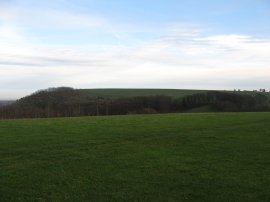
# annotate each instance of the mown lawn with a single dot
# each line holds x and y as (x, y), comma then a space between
(173, 157)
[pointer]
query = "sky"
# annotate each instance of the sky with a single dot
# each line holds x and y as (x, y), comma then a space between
(180, 44)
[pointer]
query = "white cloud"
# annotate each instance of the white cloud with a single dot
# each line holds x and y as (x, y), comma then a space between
(155, 64)
(61, 19)
(181, 57)
(42, 17)
(9, 34)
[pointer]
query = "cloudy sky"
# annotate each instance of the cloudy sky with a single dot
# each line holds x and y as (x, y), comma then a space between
(194, 44)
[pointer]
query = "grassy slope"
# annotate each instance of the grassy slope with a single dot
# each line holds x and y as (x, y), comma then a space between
(176, 157)
(175, 93)
(117, 93)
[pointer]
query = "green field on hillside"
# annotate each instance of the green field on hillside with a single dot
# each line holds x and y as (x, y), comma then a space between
(175, 93)
(172, 157)
(119, 93)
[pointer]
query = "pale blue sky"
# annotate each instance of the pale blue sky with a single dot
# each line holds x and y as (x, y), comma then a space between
(202, 44)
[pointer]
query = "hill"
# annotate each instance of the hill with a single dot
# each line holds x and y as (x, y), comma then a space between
(6, 102)
(115, 93)
(69, 102)
(177, 157)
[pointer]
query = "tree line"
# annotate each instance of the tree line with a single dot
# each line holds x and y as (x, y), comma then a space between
(68, 102)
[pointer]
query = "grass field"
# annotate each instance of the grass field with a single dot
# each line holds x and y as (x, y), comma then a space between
(175, 93)
(177, 157)
(119, 93)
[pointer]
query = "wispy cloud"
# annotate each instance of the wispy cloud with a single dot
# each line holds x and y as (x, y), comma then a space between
(173, 55)
(49, 18)
(176, 62)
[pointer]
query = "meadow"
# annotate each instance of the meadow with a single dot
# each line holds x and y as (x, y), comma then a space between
(170, 157)
(114, 93)
(122, 92)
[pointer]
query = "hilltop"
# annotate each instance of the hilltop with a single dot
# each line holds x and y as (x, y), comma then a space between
(114, 93)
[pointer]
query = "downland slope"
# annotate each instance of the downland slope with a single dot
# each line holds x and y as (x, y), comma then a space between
(172, 157)
(69, 102)
(114, 93)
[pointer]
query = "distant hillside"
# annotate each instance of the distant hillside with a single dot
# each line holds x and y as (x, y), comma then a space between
(115, 93)
(54, 96)
(69, 102)
(6, 102)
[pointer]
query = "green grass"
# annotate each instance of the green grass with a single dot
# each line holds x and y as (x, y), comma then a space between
(119, 93)
(202, 109)
(114, 93)
(177, 157)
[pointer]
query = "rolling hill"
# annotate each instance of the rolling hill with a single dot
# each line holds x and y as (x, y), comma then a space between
(69, 102)
(115, 93)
